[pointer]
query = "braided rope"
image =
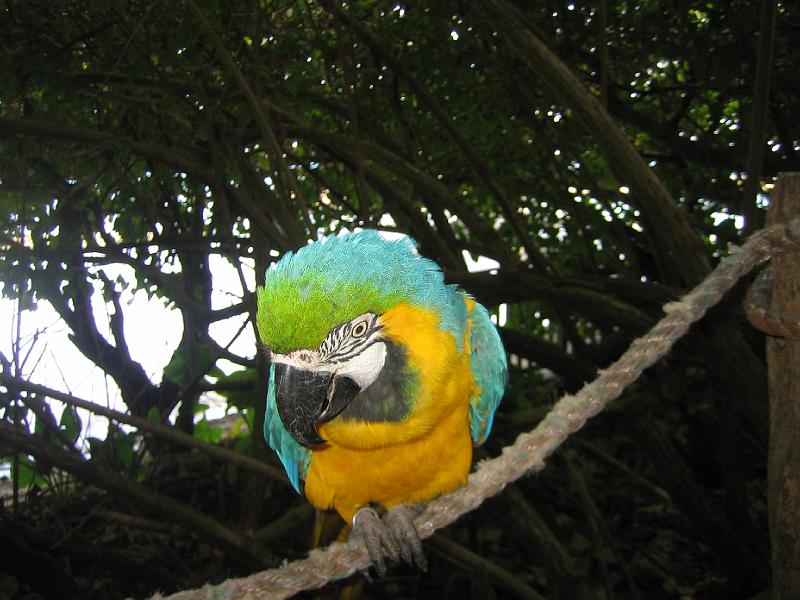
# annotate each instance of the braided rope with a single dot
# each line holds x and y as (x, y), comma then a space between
(528, 453)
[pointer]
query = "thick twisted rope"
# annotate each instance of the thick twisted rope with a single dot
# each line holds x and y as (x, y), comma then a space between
(528, 453)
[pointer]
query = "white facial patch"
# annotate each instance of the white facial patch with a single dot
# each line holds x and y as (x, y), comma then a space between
(352, 349)
(365, 366)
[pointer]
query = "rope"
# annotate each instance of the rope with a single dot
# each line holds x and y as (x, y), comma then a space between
(528, 453)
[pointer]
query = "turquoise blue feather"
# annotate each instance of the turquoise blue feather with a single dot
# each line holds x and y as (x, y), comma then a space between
(488, 364)
(294, 456)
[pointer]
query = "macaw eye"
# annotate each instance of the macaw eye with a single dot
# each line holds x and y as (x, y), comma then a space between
(359, 329)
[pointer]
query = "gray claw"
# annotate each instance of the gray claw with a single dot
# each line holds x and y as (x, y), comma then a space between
(380, 543)
(400, 523)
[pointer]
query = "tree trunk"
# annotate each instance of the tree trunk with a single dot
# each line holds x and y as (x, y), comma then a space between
(758, 119)
(783, 359)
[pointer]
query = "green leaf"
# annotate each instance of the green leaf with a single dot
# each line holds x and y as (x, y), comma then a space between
(205, 432)
(579, 544)
(241, 399)
(71, 423)
(154, 415)
(95, 447)
(605, 555)
(29, 475)
(123, 449)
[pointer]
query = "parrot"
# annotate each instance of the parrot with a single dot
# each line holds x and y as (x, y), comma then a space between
(382, 379)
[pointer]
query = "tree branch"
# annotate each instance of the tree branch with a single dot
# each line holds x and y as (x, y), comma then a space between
(343, 147)
(173, 157)
(754, 218)
(74, 306)
(163, 431)
(168, 284)
(573, 369)
(683, 259)
(242, 548)
(473, 562)
(446, 122)
(261, 120)
(516, 287)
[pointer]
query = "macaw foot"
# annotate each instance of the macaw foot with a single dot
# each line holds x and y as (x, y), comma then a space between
(394, 537)
(400, 523)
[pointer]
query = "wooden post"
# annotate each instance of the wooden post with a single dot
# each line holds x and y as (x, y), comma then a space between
(783, 360)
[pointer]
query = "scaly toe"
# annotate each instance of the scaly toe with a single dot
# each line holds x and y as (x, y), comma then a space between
(400, 523)
(380, 544)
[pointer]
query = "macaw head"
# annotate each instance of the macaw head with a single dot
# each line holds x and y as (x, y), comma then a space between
(323, 313)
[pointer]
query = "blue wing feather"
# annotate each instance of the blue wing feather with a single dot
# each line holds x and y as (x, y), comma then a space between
(294, 456)
(489, 367)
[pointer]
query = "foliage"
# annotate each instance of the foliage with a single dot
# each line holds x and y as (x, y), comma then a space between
(128, 138)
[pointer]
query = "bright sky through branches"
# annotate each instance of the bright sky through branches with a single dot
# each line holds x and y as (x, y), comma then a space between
(152, 332)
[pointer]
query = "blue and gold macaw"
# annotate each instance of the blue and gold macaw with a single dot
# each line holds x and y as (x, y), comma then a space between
(382, 380)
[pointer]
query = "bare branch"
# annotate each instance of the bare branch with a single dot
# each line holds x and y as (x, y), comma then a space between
(754, 218)
(163, 431)
(237, 545)
(261, 119)
(683, 258)
(460, 555)
(446, 122)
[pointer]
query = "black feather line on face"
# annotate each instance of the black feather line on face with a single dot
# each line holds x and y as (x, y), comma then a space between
(338, 346)
(388, 397)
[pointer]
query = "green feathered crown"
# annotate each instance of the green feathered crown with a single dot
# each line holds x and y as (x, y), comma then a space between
(333, 280)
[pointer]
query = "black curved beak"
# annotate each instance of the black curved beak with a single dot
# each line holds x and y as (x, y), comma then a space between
(306, 398)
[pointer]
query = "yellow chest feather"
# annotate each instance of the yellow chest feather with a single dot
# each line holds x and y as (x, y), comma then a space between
(426, 454)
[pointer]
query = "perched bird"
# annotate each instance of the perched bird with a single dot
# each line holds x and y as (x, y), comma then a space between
(382, 379)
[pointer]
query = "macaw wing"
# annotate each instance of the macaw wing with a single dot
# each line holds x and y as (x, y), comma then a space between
(294, 456)
(488, 364)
